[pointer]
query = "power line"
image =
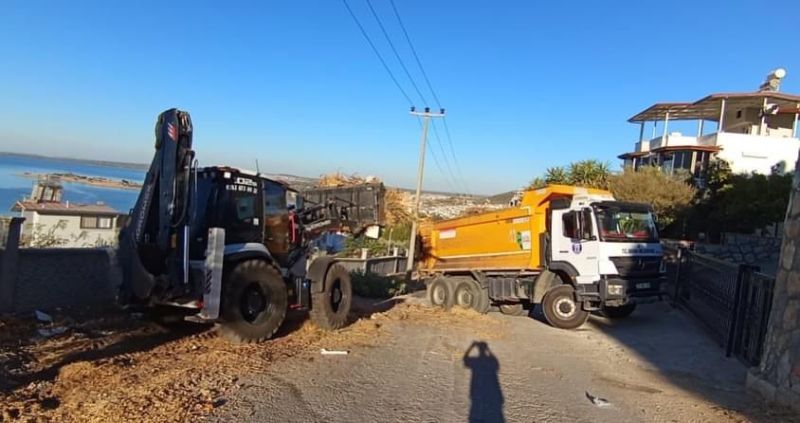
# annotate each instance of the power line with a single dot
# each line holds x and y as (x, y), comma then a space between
(416, 56)
(430, 87)
(396, 54)
(446, 161)
(377, 53)
(450, 184)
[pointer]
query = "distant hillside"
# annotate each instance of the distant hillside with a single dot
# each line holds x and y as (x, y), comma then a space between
(502, 198)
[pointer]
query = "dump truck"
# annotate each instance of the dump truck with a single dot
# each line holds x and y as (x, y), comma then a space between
(232, 246)
(573, 250)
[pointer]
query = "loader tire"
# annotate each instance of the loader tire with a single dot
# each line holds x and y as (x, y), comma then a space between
(620, 312)
(560, 308)
(469, 294)
(254, 302)
(516, 309)
(330, 308)
(441, 293)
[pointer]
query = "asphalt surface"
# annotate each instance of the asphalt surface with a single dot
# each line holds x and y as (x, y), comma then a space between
(657, 365)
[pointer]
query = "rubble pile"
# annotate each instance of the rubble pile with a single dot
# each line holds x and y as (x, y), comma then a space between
(338, 179)
(398, 206)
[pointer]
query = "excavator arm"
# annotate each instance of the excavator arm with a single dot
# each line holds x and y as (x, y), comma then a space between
(153, 245)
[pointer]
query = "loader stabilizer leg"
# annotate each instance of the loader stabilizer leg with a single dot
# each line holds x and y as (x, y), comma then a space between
(212, 273)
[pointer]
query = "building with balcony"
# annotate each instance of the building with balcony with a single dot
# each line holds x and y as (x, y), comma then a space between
(752, 131)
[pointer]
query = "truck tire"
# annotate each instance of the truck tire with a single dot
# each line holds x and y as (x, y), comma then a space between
(330, 308)
(516, 309)
(469, 294)
(619, 312)
(441, 293)
(254, 302)
(560, 308)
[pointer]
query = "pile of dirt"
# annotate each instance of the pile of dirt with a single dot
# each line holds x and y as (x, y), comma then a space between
(123, 368)
(338, 179)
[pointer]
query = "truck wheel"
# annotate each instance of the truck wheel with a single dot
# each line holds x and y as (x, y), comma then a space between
(560, 308)
(469, 294)
(330, 308)
(441, 293)
(619, 312)
(255, 302)
(513, 309)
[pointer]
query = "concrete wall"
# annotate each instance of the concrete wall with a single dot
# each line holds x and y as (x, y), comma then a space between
(70, 235)
(778, 376)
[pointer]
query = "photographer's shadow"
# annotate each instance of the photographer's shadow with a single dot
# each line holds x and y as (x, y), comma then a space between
(485, 394)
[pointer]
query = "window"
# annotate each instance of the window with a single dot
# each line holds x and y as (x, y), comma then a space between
(245, 208)
(96, 222)
(618, 224)
(274, 199)
(568, 222)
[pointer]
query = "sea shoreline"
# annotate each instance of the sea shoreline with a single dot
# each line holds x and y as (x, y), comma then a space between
(95, 181)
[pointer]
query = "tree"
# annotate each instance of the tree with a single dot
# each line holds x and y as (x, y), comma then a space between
(584, 173)
(669, 196)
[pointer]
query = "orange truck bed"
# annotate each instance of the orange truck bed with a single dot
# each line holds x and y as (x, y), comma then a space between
(508, 239)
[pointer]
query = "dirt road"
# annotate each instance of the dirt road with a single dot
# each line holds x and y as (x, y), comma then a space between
(409, 363)
(657, 366)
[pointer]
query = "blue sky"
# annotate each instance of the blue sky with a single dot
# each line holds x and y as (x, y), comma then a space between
(526, 84)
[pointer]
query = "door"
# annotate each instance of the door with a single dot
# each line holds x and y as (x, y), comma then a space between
(574, 241)
(276, 220)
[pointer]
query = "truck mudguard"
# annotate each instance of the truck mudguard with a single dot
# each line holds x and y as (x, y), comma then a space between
(542, 284)
(564, 267)
(249, 250)
(316, 273)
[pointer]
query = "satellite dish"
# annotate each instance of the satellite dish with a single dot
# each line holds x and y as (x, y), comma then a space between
(779, 73)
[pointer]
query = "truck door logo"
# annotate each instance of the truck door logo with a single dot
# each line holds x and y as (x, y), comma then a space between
(577, 247)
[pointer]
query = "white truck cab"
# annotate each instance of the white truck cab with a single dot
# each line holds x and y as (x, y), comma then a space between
(611, 249)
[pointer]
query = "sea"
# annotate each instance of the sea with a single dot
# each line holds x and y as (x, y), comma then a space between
(14, 186)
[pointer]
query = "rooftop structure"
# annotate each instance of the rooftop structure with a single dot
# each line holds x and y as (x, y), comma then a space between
(753, 132)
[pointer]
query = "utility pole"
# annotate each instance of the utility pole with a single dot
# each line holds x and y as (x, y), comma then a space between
(426, 116)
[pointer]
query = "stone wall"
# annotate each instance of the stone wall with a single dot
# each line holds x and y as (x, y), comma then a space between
(778, 376)
(747, 249)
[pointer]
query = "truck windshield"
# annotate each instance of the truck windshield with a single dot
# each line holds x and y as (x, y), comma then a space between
(618, 224)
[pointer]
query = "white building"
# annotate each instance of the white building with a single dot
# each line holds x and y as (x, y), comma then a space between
(753, 132)
(50, 222)
(56, 224)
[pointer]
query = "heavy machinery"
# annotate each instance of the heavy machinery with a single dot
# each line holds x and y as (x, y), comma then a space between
(233, 246)
(574, 250)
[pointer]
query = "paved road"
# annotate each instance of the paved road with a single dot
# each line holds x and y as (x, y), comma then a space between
(655, 366)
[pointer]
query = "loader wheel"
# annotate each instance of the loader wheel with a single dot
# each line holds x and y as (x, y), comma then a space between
(619, 312)
(331, 307)
(560, 308)
(441, 293)
(469, 294)
(516, 309)
(254, 302)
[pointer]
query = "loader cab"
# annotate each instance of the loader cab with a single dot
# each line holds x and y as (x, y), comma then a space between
(252, 209)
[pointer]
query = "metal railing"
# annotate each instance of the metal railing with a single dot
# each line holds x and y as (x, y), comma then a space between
(732, 301)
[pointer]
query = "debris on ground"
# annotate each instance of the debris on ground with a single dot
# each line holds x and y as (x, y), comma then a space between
(50, 332)
(117, 367)
(324, 351)
(600, 402)
(43, 317)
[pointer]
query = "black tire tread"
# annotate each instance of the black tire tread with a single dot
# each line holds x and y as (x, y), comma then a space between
(232, 328)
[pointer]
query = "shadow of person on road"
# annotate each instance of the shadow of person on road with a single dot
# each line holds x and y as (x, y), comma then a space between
(485, 394)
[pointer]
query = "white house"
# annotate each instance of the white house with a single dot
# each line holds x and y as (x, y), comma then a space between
(62, 224)
(753, 131)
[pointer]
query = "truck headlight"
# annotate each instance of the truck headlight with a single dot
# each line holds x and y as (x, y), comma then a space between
(616, 289)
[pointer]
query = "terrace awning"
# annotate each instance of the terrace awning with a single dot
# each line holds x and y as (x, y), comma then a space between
(708, 108)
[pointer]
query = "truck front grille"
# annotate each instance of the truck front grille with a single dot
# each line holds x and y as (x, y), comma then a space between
(637, 267)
